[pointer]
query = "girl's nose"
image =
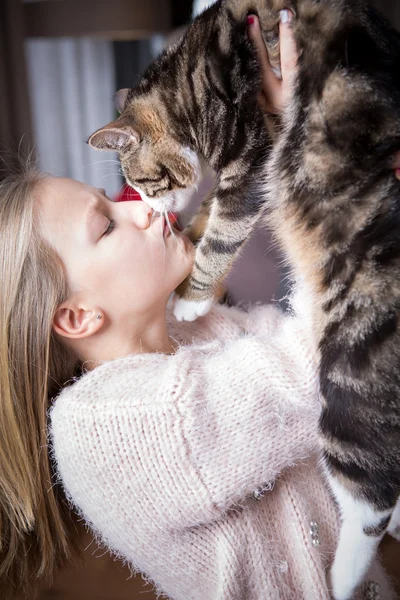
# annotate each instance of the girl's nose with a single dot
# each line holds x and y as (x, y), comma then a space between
(142, 213)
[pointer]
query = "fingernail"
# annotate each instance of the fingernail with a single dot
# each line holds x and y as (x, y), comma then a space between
(397, 173)
(286, 16)
(250, 20)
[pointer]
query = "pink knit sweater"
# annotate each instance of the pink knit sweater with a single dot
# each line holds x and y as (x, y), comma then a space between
(164, 457)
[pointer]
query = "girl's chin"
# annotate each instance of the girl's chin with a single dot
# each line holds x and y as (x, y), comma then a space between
(181, 280)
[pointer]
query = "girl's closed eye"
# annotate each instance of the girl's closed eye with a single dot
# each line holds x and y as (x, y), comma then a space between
(110, 228)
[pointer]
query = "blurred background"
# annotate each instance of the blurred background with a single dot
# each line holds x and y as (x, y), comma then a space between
(61, 62)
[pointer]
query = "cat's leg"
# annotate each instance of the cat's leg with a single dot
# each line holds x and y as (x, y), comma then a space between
(197, 226)
(394, 525)
(189, 309)
(234, 212)
(362, 529)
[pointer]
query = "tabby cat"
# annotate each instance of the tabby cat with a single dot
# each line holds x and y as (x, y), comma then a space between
(200, 97)
(332, 201)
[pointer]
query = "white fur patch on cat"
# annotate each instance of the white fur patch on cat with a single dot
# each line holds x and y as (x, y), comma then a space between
(172, 202)
(189, 310)
(356, 550)
(176, 200)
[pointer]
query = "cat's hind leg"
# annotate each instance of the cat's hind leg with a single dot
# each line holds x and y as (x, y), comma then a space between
(363, 527)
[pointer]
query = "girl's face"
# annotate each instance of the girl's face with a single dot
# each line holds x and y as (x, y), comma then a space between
(117, 257)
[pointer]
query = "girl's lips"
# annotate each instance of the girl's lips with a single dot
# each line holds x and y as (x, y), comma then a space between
(160, 223)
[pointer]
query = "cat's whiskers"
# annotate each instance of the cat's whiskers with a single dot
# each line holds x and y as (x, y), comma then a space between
(159, 215)
(100, 162)
(170, 226)
(152, 249)
(105, 175)
(164, 216)
(117, 193)
(152, 216)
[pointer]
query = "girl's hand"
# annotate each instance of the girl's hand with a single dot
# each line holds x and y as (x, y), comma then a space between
(275, 92)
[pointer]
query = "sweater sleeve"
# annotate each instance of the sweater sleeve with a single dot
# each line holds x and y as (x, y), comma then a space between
(178, 440)
(251, 410)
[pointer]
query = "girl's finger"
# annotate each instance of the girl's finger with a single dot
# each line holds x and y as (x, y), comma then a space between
(270, 83)
(395, 164)
(396, 161)
(289, 54)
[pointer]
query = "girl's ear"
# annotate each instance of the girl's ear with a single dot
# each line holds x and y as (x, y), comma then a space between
(115, 136)
(75, 322)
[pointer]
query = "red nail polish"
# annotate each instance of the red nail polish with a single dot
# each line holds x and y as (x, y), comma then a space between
(250, 20)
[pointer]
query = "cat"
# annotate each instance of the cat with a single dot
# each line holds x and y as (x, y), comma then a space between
(324, 178)
(200, 98)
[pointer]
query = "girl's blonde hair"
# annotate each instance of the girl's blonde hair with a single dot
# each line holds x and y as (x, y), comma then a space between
(36, 529)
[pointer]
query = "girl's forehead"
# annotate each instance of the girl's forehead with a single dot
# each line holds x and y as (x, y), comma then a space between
(62, 204)
(62, 195)
(63, 185)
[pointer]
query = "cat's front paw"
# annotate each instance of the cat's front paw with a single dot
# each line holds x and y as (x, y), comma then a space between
(189, 310)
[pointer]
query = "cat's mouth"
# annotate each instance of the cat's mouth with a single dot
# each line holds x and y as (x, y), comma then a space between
(178, 198)
(174, 201)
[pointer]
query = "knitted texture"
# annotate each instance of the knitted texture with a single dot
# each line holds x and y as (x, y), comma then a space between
(161, 455)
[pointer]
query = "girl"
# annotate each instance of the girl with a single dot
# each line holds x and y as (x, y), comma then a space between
(190, 449)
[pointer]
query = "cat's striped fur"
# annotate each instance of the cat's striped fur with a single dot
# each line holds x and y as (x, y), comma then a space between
(334, 205)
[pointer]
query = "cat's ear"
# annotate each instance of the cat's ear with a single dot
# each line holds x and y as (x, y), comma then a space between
(114, 137)
(120, 99)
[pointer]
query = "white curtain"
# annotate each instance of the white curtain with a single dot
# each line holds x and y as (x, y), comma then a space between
(72, 85)
(200, 5)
